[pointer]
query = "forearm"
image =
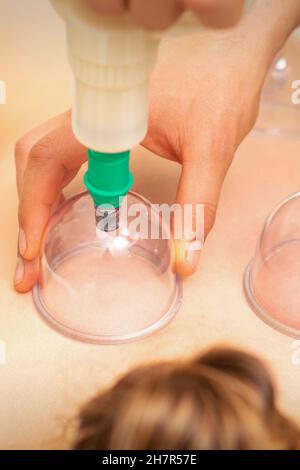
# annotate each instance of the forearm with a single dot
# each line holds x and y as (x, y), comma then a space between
(268, 23)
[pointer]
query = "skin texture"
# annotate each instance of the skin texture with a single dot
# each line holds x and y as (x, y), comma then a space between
(159, 14)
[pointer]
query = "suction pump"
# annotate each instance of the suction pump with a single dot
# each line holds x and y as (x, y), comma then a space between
(111, 60)
(100, 281)
(108, 180)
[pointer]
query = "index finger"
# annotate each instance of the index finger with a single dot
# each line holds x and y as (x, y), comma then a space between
(26, 143)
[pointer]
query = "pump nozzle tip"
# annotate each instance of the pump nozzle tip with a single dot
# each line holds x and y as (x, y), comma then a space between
(107, 219)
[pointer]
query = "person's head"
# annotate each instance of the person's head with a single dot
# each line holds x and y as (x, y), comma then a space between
(223, 399)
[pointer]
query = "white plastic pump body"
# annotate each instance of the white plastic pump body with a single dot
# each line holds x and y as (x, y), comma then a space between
(111, 59)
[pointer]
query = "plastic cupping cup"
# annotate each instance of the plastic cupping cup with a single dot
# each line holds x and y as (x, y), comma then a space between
(272, 279)
(106, 287)
(279, 115)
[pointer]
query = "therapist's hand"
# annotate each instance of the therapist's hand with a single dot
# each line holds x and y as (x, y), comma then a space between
(204, 100)
(159, 14)
(205, 95)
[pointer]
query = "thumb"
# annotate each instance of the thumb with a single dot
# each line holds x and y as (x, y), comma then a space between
(53, 161)
(198, 193)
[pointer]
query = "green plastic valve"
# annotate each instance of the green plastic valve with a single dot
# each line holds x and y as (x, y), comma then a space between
(108, 177)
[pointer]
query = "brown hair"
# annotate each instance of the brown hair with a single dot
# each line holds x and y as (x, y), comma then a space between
(223, 399)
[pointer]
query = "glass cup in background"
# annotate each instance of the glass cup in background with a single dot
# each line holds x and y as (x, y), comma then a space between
(272, 278)
(278, 115)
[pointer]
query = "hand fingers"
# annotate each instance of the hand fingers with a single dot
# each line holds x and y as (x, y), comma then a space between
(217, 13)
(109, 7)
(159, 14)
(25, 144)
(26, 274)
(155, 14)
(198, 192)
(52, 163)
(151, 14)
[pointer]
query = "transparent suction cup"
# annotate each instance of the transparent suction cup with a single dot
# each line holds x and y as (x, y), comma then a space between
(107, 286)
(278, 115)
(272, 279)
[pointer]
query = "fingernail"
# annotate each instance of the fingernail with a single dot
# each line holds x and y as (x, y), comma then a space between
(19, 274)
(193, 253)
(22, 242)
